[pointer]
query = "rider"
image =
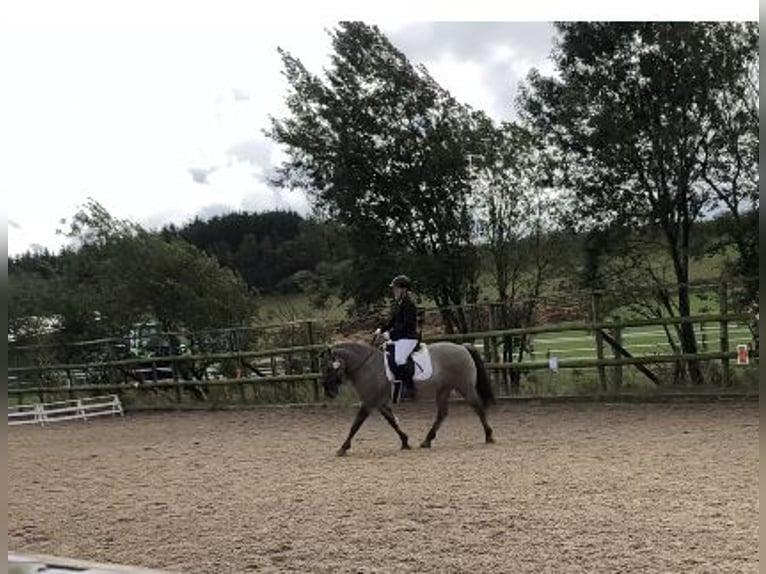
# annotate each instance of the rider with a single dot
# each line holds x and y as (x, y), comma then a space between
(402, 330)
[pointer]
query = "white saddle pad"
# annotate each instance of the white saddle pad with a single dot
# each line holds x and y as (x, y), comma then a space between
(423, 367)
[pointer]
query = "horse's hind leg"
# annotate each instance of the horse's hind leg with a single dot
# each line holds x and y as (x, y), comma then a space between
(442, 408)
(361, 416)
(388, 414)
(473, 399)
(479, 408)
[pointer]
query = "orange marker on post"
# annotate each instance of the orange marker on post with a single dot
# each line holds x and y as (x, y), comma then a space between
(743, 355)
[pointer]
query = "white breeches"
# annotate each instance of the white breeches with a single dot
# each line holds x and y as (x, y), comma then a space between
(402, 350)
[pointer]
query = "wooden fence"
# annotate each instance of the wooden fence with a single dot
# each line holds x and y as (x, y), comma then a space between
(606, 335)
(299, 364)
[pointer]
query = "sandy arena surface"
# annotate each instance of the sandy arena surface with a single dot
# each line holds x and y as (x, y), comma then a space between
(567, 488)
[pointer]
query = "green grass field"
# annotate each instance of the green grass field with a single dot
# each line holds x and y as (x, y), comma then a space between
(294, 307)
(638, 341)
(643, 341)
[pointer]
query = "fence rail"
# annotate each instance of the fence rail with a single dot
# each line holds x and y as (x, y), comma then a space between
(610, 346)
(209, 357)
(585, 326)
(76, 409)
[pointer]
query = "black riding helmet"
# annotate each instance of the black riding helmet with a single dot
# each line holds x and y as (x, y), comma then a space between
(401, 281)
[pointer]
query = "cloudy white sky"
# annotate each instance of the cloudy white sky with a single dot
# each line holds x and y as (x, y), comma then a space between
(156, 109)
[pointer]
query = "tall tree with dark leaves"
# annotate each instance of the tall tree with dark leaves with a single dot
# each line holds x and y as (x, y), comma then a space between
(731, 161)
(381, 147)
(516, 218)
(635, 115)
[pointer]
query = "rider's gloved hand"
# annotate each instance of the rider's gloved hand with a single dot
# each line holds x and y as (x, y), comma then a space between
(377, 332)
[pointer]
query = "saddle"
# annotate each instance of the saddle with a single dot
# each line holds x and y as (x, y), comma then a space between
(419, 363)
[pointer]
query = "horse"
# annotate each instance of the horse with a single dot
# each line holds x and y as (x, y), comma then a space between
(455, 367)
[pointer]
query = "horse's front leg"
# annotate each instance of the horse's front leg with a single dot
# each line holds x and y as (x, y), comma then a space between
(389, 415)
(442, 406)
(361, 416)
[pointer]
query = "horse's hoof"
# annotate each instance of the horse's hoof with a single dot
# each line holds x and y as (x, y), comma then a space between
(425, 445)
(341, 452)
(490, 440)
(405, 446)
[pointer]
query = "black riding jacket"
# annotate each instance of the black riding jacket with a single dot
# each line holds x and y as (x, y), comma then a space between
(403, 321)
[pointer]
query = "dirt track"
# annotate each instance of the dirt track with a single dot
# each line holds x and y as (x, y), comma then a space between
(568, 488)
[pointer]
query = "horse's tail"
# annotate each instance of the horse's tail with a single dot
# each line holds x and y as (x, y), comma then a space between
(483, 385)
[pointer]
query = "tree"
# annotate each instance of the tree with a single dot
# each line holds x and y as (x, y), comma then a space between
(515, 209)
(31, 308)
(382, 148)
(117, 274)
(31, 294)
(267, 248)
(179, 285)
(516, 226)
(632, 117)
(731, 162)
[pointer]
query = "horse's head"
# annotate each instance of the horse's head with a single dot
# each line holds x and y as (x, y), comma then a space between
(332, 374)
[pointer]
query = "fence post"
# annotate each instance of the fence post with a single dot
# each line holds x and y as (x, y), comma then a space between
(617, 336)
(242, 392)
(487, 349)
(313, 362)
(174, 369)
(40, 413)
(235, 340)
(723, 303)
(595, 317)
(241, 368)
(241, 364)
(490, 357)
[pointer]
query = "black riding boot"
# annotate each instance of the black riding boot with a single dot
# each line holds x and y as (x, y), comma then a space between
(408, 385)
